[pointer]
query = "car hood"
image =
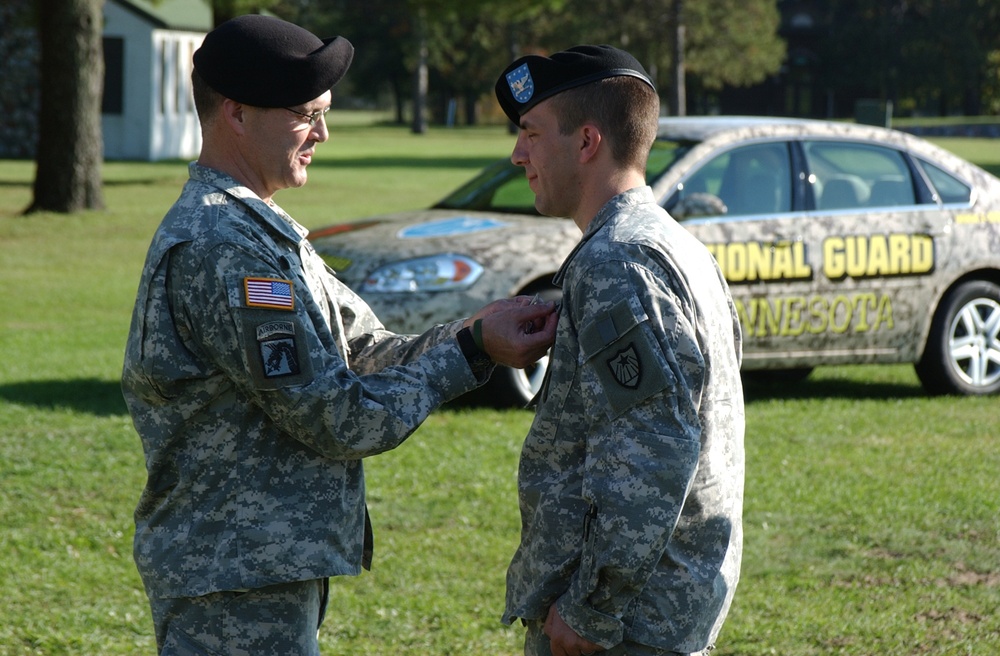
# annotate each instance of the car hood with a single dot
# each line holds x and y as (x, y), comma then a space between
(355, 249)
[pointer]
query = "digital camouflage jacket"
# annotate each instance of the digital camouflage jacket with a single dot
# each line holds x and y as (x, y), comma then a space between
(257, 383)
(631, 477)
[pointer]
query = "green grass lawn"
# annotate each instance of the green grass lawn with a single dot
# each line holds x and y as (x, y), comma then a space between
(872, 511)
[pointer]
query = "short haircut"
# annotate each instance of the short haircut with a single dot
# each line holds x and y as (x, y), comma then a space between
(207, 100)
(625, 109)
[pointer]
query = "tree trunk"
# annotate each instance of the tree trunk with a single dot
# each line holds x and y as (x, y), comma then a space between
(471, 108)
(420, 77)
(678, 90)
(513, 52)
(70, 146)
(399, 97)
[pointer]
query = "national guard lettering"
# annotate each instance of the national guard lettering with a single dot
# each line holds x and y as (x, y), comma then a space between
(278, 354)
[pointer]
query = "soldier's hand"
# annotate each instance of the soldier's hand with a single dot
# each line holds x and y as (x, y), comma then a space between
(563, 640)
(516, 334)
(499, 306)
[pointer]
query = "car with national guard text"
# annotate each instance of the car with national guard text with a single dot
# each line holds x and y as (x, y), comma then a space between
(841, 243)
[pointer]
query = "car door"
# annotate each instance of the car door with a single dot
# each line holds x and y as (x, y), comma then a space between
(873, 239)
(829, 247)
(748, 203)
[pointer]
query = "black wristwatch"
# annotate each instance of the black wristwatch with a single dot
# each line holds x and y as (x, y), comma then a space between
(477, 358)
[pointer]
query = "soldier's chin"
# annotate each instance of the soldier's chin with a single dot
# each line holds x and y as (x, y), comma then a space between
(542, 209)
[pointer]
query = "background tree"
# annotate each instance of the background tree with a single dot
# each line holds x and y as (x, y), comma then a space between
(223, 10)
(480, 39)
(946, 51)
(467, 43)
(926, 56)
(381, 32)
(464, 42)
(733, 42)
(724, 42)
(70, 148)
(678, 86)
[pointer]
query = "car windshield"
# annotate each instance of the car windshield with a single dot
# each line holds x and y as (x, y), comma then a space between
(502, 187)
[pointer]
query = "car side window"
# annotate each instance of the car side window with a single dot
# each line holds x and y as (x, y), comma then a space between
(949, 189)
(848, 175)
(754, 179)
(514, 195)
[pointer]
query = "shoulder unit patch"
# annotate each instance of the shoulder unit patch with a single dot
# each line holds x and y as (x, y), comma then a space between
(626, 367)
(278, 353)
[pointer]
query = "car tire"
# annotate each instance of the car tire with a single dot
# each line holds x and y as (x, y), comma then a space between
(962, 355)
(517, 387)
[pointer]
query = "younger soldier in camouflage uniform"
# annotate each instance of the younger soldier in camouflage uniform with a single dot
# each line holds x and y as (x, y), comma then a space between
(631, 477)
(257, 381)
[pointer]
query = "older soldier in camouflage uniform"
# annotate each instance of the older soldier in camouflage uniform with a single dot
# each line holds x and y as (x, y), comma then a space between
(257, 381)
(631, 478)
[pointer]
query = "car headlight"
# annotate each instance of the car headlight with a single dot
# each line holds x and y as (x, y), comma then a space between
(435, 273)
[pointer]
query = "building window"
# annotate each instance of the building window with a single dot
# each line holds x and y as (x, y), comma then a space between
(113, 99)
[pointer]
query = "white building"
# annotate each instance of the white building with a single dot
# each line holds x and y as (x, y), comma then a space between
(148, 110)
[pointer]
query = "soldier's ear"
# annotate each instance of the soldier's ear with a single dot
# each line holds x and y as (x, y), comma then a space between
(234, 114)
(590, 141)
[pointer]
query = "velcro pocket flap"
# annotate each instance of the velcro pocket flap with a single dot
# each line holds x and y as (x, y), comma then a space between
(621, 351)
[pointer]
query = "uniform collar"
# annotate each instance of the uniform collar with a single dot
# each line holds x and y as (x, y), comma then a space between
(635, 196)
(269, 213)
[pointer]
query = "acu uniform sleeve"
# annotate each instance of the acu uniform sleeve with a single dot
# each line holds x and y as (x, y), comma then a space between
(642, 451)
(279, 352)
(372, 347)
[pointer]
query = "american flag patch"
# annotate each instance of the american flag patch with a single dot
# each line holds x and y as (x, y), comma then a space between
(269, 293)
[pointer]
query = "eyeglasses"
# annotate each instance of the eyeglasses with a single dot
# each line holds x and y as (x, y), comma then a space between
(311, 119)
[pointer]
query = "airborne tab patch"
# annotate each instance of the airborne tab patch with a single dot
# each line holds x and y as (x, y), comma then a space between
(278, 353)
(273, 293)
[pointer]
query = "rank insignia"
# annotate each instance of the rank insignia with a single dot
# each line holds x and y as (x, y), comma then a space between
(521, 84)
(626, 367)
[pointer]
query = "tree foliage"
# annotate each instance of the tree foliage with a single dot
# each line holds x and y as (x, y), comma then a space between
(924, 55)
(468, 42)
(223, 10)
(932, 56)
(733, 42)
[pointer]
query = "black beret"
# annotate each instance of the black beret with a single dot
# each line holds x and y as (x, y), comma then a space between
(267, 62)
(531, 79)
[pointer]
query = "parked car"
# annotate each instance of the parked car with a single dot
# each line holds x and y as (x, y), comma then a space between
(841, 244)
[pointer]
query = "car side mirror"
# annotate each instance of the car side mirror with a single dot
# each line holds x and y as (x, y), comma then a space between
(698, 205)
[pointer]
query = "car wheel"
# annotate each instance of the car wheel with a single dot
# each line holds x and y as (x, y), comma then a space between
(962, 355)
(516, 387)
